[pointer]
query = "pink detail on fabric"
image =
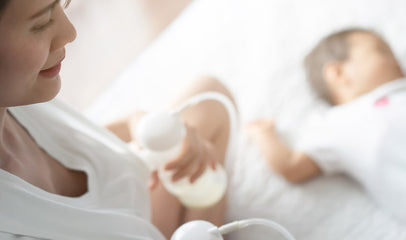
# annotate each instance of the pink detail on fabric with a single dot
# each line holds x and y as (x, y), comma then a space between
(383, 101)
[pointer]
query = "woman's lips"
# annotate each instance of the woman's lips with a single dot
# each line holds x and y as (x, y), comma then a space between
(51, 72)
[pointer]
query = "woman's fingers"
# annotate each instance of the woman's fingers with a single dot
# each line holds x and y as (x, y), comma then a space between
(181, 160)
(187, 169)
(196, 155)
(211, 156)
(197, 163)
(201, 167)
(188, 151)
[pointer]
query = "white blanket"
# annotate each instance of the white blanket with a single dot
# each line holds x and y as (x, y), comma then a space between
(255, 47)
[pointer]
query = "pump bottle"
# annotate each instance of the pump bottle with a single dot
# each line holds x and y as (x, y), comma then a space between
(161, 136)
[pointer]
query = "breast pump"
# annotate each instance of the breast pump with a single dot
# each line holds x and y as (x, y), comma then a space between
(203, 230)
(161, 134)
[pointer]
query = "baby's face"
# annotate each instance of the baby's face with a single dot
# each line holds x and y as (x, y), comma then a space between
(371, 63)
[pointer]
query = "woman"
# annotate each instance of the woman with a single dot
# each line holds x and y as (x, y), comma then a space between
(61, 177)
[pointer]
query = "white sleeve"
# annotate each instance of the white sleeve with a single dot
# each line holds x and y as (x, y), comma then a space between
(319, 140)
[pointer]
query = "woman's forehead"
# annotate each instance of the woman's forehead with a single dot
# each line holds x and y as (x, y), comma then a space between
(25, 9)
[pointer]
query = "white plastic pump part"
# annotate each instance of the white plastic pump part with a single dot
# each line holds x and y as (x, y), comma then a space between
(197, 230)
(160, 131)
(207, 190)
(161, 134)
(202, 230)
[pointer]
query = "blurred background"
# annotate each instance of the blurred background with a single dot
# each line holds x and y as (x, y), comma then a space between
(111, 34)
(132, 54)
(138, 54)
(158, 44)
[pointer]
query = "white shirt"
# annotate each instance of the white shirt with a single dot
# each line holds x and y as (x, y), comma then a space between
(366, 138)
(116, 205)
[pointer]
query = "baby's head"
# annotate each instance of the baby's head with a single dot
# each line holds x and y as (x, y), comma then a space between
(350, 63)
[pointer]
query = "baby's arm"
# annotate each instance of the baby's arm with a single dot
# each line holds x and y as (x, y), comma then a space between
(293, 165)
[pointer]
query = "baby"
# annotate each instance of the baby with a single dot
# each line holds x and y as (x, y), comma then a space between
(364, 133)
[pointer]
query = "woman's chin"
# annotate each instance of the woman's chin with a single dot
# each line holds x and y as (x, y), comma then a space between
(47, 90)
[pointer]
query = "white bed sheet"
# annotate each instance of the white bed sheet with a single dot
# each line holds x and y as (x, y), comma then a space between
(255, 47)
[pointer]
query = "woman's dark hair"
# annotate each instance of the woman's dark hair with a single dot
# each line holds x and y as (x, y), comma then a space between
(3, 5)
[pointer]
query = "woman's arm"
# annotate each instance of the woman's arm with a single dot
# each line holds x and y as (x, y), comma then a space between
(207, 139)
(121, 127)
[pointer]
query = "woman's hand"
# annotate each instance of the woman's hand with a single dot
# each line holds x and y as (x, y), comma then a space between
(197, 153)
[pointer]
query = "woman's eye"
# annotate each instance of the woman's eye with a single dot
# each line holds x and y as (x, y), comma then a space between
(42, 27)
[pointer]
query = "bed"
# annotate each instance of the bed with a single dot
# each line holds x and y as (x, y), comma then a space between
(255, 48)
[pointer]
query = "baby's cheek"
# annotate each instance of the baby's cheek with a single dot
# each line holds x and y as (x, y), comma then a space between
(387, 67)
(376, 65)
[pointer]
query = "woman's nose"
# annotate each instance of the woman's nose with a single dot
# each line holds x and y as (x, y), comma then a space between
(66, 32)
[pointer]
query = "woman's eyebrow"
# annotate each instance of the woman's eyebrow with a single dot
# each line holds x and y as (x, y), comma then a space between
(45, 9)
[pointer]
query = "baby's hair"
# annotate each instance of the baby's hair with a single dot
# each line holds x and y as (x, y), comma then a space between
(334, 47)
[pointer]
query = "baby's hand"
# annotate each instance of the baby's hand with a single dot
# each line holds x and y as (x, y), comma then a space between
(292, 165)
(264, 135)
(196, 155)
(261, 131)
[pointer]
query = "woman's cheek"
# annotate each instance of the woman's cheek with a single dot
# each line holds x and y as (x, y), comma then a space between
(36, 58)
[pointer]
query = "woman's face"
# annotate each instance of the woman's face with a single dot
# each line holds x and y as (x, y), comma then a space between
(33, 34)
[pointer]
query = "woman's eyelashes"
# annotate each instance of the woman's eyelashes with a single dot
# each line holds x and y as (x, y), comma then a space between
(43, 27)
